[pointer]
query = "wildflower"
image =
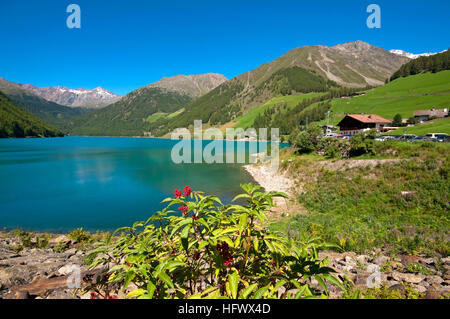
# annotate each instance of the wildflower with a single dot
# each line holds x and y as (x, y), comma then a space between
(184, 209)
(187, 191)
(128, 264)
(113, 297)
(93, 295)
(194, 217)
(177, 193)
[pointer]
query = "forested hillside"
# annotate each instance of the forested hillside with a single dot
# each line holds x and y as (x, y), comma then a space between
(50, 112)
(17, 122)
(131, 116)
(434, 63)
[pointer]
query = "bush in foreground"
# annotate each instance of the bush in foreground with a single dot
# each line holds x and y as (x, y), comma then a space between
(210, 251)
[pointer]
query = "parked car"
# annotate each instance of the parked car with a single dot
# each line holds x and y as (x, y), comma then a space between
(329, 135)
(435, 135)
(343, 137)
(442, 137)
(385, 138)
(406, 137)
(423, 139)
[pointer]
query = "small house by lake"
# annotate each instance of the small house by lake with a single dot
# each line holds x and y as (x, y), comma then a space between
(352, 124)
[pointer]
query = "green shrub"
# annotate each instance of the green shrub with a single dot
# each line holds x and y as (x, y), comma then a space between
(30, 240)
(79, 235)
(363, 143)
(210, 251)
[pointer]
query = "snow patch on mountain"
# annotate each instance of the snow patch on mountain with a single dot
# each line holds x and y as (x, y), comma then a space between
(411, 55)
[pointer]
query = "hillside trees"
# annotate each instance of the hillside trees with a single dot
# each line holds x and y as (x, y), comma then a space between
(17, 122)
(434, 63)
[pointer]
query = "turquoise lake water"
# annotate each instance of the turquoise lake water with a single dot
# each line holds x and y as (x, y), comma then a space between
(98, 183)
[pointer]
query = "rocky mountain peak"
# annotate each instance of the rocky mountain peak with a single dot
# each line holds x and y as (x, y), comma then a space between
(194, 85)
(96, 98)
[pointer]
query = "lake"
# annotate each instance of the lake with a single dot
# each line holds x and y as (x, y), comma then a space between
(98, 183)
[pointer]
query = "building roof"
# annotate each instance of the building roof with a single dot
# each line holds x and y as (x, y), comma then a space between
(432, 112)
(368, 118)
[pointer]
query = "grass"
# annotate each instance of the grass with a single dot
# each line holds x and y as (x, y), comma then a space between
(247, 120)
(402, 96)
(363, 207)
(156, 116)
(441, 126)
(174, 114)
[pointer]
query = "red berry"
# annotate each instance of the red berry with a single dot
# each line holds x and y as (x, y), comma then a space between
(187, 191)
(177, 193)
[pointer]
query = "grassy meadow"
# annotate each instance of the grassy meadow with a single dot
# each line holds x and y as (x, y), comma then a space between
(402, 96)
(399, 206)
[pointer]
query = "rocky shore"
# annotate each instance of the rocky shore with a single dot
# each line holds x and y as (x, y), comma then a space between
(270, 181)
(48, 273)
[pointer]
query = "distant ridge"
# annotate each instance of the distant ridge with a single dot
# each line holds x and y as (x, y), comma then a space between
(96, 98)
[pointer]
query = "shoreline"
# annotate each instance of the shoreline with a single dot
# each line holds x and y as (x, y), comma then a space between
(269, 180)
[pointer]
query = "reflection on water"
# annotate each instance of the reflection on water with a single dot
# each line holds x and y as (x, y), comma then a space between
(98, 183)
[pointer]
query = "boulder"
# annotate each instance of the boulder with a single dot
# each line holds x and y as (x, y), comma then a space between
(434, 280)
(381, 260)
(406, 260)
(410, 278)
(362, 258)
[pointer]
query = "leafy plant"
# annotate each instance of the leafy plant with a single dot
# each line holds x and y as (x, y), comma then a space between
(79, 235)
(212, 250)
(29, 240)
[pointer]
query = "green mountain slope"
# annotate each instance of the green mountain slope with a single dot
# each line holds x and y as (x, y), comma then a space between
(147, 109)
(52, 113)
(17, 122)
(437, 126)
(402, 96)
(302, 70)
(434, 63)
(133, 115)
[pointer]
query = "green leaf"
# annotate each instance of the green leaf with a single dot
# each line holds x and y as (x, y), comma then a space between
(247, 291)
(242, 222)
(241, 196)
(234, 282)
(184, 237)
(151, 289)
(256, 243)
(166, 279)
(128, 278)
(260, 292)
(227, 240)
(333, 280)
(321, 283)
(136, 293)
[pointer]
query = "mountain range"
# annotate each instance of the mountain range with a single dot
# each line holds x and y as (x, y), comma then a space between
(301, 70)
(172, 102)
(96, 98)
(51, 112)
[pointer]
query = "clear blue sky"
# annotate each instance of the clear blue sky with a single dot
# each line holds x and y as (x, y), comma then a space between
(123, 45)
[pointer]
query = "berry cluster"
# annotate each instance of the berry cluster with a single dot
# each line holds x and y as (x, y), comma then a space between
(186, 192)
(224, 251)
